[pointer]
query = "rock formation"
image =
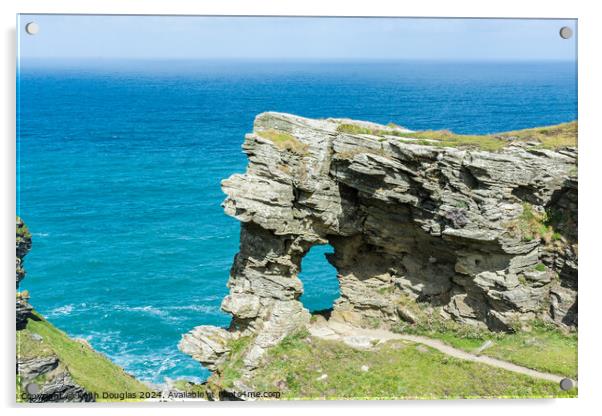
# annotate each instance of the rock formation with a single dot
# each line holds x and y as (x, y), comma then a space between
(419, 231)
(58, 385)
(23, 309)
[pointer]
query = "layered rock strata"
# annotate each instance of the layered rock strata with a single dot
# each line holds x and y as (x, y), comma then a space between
(23, 245)
(412, 223)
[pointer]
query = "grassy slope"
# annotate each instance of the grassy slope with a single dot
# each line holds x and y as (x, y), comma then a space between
(542, 348)
(88, 368)
(549, 137)
(397, 370)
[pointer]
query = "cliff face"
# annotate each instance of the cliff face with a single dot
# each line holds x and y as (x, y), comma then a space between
(23, 245)
(485, 238)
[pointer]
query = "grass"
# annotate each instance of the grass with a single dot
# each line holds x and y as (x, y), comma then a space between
(357, 129)
(88, 368)
(190, 387)
(397, 370)
(446, 138)
(284, 141)
(532, 225)
(549, 137)
(544, 348)
(230, 371)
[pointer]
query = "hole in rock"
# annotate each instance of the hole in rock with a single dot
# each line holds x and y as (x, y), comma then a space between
(319, 277)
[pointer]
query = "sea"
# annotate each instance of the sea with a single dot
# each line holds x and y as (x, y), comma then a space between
(119, 166)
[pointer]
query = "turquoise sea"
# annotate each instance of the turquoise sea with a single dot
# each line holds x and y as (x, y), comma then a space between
(120, 162)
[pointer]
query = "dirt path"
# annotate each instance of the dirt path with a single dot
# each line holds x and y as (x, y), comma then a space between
(367, 338)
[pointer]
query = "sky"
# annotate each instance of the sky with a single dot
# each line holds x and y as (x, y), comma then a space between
(81, 37)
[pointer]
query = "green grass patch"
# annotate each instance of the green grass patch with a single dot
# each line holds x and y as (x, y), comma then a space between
(396, 370)
(549, 137)
(284, 141)
(357, 129)
(190, 387)
(446, 138)
(231, 370)
(544, 348)
(532, 225)
(88, 368)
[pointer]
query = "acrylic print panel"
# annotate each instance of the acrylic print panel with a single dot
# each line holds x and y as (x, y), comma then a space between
(268, 208)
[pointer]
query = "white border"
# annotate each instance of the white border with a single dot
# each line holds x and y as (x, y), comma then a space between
(590, 140)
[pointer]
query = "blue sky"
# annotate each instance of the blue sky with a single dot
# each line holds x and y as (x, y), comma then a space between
(172, 37)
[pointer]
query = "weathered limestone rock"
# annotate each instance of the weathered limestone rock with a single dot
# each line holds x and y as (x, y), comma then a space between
(31, 368)
(51, 384)
(206, 344)
(62, 388)
(23, 311)
(23, 240)
(410, 222)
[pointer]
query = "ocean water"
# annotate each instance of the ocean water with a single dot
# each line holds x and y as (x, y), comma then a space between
(119, 169)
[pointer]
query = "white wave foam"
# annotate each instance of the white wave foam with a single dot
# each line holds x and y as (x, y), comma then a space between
(151, 310)
(195, 308)
(60, 311)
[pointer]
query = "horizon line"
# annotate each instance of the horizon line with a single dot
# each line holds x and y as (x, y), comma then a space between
(292, 59)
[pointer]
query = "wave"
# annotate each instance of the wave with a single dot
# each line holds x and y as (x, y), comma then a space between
(151, 310)
(162, 312)
(212, 310)
(160, 366)
(60, 311)
(169, 313)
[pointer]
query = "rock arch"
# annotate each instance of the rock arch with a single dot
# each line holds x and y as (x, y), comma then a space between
(418, 231)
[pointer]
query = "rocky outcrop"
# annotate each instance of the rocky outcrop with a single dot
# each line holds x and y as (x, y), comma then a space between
(23, 246)
(206, 344)
(62, 388)
(57, 385)
(479, 237)
(23, 309)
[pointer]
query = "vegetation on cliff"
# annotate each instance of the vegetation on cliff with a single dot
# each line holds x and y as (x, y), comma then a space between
(23, 245)
(232, 370)
(549, 137)
(283, 140)
(88, 368)
(304, 367)
(543, 347)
